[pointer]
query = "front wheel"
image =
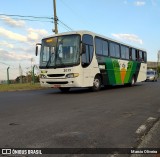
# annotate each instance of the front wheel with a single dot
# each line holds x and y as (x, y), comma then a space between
(96, 84)
(65, 89)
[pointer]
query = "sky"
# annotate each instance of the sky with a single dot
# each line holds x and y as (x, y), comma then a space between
(134, 22)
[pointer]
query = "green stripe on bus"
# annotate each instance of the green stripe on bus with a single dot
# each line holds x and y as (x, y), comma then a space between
(111, 75)
(117, 74)
(131, 69)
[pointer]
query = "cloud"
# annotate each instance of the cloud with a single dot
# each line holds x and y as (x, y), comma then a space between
(11, 35)
(11, 22)
(128, 37)
(13, 56)
(140, 3)
(33, 35)
(6, 44)
(36, 34)
(26, 48)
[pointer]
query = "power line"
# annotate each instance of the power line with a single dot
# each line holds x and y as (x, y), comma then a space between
(27, 16)
(35, 18)
(76, 14)
(63, 27)
(25, 19)
(69, 28)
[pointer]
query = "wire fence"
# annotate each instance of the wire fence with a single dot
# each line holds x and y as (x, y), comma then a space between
(15, 75)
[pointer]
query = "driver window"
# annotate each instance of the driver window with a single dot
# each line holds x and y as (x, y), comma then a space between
(87, 56)
(45, 54)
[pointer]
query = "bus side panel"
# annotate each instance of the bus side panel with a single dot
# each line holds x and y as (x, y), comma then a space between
(117, 71)
(131, 70)
(110, 72)
(142, 72)
(102, 66)
(113, 71)
(137, 71)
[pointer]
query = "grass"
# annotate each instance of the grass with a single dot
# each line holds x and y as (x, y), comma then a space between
(19, 87)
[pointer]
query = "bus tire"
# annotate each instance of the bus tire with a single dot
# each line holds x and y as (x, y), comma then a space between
(64, 89)
(96, 84)
(132, 81)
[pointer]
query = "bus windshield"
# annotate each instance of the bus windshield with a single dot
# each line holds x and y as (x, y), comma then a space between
(61, 51)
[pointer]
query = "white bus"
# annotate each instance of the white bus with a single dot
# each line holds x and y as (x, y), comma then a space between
(86, 59)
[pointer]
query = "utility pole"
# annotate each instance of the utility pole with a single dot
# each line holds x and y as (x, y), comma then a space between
(55, 18)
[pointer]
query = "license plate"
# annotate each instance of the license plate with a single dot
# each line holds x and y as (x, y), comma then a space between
(56, 86)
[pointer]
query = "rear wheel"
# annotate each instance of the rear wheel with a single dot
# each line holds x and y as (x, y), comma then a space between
(96, 84)
(132, 81)
(64, 89)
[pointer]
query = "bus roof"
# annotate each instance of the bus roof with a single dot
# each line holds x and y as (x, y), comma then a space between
(81, 32)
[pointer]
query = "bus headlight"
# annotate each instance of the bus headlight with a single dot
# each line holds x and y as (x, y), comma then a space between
(42, 76)
(72, 75)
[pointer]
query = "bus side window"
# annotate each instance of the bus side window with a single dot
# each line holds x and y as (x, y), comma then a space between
(101, 47)
(140, 56)
(130, 54)
(133, 53)
(105, 48)
(98, 46)
(145, 57)
(114, 50)
(124, 52)
(137, 55)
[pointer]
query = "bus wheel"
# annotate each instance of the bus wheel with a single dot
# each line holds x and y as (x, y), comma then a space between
(132, 81)
(65, 89)
(96, 84)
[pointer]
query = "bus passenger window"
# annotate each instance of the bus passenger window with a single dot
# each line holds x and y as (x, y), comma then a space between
(127, 53)
(105, 48)
(98, 46)
(114, 50)
(124, 52)
(145, 57)
(140, 56)
(134, 54)
(101, 47)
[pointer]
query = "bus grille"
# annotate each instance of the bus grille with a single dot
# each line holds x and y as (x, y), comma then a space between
(64, 82)
(55, 75)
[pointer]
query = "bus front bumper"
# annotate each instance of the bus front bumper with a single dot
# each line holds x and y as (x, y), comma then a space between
(57, 83)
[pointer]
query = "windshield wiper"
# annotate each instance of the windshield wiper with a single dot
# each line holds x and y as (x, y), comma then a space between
(49, 61)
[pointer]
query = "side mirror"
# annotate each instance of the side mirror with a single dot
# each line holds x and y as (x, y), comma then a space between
(36, 52)
(83, 48)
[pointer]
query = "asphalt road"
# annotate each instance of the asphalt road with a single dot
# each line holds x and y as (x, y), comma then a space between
(50, 119)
